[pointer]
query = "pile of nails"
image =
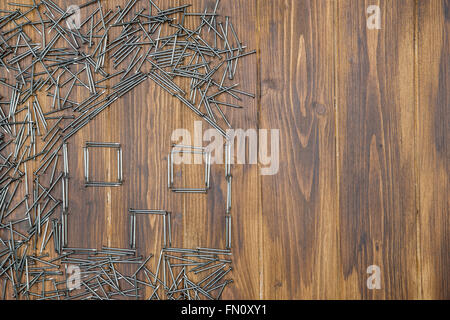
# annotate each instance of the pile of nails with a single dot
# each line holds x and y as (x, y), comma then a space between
(48, 59)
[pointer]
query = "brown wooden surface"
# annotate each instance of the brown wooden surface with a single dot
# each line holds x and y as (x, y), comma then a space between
(299, 204)
(433, 150)
(375, 119)
(364, 155)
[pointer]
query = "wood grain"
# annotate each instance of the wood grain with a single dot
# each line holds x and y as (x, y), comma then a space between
(375, 98)
(363, 164)
(299, 203)
(433, 150)
(245, 212)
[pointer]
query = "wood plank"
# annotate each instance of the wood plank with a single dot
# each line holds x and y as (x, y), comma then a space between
(246, 216)
(142, 121)
(375, 117)
(433, 150)
(299, 203)
(204, 215)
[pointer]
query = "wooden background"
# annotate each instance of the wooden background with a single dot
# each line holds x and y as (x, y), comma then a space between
(364, 155)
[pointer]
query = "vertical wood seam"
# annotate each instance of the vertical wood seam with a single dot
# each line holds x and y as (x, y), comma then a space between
(336, 129)
(258, 125)
(416, 165)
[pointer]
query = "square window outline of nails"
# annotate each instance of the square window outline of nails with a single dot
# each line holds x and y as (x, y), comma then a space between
(167, 228)
(192, 150)
(110, 145)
